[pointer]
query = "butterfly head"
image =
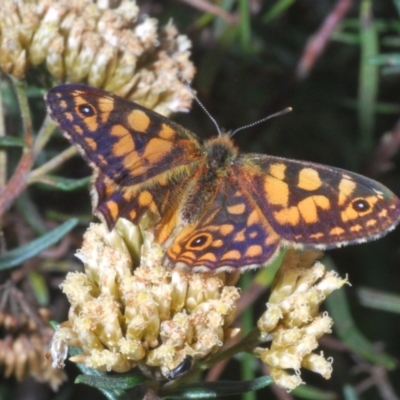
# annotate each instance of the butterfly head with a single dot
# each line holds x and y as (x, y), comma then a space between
(220, 151)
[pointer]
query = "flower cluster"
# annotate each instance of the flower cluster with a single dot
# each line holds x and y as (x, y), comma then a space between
(123, 317)
(292, 319)
(23, 345)
(109, 46)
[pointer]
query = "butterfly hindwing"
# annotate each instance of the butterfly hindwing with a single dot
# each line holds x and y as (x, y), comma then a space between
(161, 199)
(231, 233)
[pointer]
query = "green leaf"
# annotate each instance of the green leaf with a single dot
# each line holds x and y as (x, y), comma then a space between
(54, 324)
(110, 393)
(349, 393)
(29, 210)
(60, 183)
(277, 9)
(9, 141)
(247, 364)
(107, 382)
(392, 59)
(23, 253)
(397, 5)
(265, 276)
(40, 288)
(390, 71)
(346, 38)
(379, 300)
(245, 24)
(90, 375)
(368, 78)
(209, 390)
(311, 393)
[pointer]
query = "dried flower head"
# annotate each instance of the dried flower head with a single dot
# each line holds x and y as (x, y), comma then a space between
(293, 321)
(149, 316)
(24, 340)
(106, 46)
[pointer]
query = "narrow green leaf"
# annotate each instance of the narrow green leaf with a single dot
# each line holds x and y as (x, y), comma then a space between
(115, 382)
(392, 41)
(54, 324)
(397, 5)
(277, 9)
(391, 59)
(9, 141)
(368, 78)
(60, 183)
(28, 208)
(380, 108)
(204, 20)
(381, 25)
(40, 288)
(390, 71)
(349, 393)
(311, 393)
(220, 25)
(23, 253)
(245, 25)
(111, 393)
(379, 300)
(247, 360)
(346, 38)
(209, 390)
(265, 276)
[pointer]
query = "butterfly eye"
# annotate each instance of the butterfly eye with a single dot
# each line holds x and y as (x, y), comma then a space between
(361, 205)
(200, 241)
(86, 109)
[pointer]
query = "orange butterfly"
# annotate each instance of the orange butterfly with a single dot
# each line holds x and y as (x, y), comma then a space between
(216, 209)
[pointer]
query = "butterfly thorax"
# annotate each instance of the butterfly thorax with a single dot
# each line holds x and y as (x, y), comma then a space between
(219, 156)
(220, 153)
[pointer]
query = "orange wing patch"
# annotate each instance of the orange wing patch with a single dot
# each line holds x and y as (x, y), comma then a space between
(138, 120)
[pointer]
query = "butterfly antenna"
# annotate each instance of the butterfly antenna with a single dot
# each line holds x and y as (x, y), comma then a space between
(278, 114)
(187, 84)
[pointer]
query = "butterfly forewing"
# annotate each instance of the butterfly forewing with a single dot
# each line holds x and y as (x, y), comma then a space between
(131, 149)
(314, 204)
(128, 143)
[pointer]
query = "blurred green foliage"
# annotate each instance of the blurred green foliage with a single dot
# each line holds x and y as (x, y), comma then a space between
(247, 68)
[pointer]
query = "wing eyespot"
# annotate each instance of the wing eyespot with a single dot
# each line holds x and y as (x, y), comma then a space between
(361, 205)
(199, 242)
(87, 110)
